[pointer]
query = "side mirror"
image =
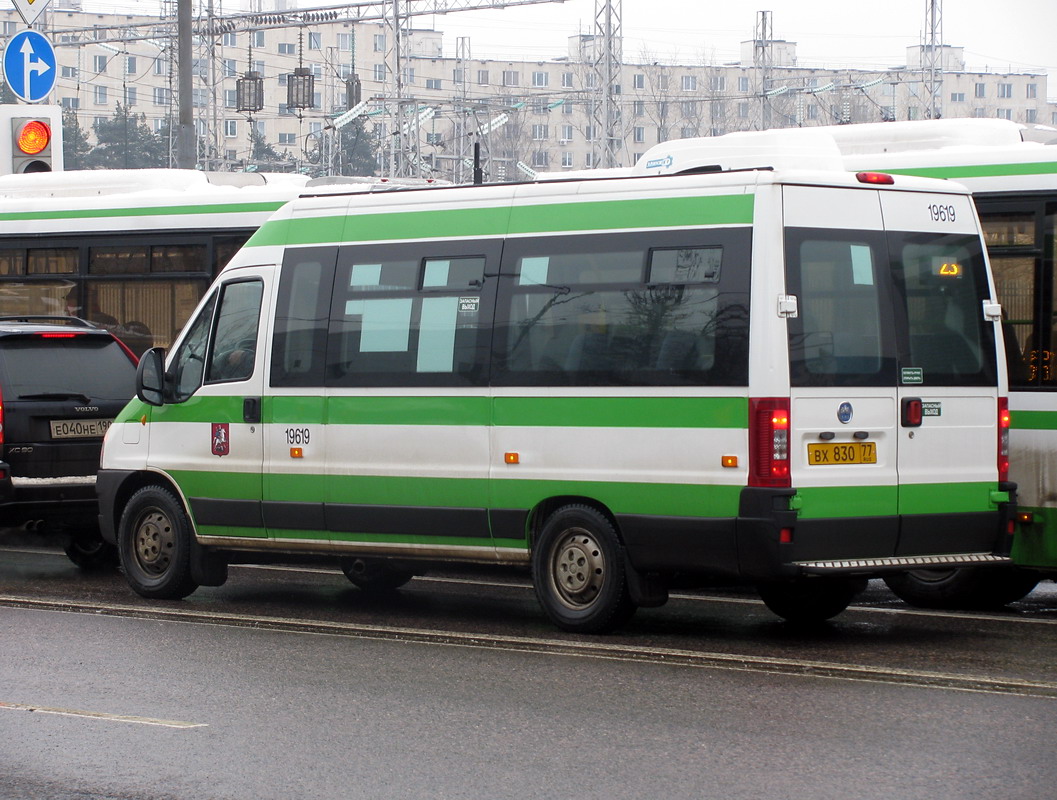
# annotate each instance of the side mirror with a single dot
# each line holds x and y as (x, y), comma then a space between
(150, 377)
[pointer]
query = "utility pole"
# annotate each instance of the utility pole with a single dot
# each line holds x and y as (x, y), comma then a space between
(605, 110)
(932, 59)
(185, 133)
(763, 63)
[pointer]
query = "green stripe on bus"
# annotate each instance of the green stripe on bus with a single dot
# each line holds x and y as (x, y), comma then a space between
(554, 412)
(915, 498)
(623, 412)
(662, 212)
(1033, 420)
(621, 497)
(979, 170)
(147, 211)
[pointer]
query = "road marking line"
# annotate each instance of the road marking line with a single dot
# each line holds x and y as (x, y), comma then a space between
(101, 715)
(585, 649)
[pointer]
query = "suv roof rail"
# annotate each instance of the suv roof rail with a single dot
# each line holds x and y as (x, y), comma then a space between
(55, 319)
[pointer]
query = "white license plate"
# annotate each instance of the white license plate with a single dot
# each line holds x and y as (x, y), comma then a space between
(79, 428)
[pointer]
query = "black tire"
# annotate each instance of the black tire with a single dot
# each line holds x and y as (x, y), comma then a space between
(372, 575)
(85, 548)
(154, 544)
(810, 600)
(578, 571)
(973, 588)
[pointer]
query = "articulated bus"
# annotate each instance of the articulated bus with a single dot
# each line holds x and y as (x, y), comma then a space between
(780, 372)
(1011, 170)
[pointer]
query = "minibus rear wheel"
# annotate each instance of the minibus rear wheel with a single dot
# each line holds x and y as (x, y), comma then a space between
(154, 543)
(578, 571)
(810, 600)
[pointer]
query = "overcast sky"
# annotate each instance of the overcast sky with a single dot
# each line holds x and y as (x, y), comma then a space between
(999, 35)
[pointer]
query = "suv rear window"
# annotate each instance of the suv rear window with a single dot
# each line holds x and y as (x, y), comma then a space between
(94, 366)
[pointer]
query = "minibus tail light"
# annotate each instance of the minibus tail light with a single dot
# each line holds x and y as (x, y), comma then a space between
(877, 178)
(1003, 439)
(769, 442)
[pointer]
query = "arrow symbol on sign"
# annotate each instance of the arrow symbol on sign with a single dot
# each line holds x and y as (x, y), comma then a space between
(31, 64)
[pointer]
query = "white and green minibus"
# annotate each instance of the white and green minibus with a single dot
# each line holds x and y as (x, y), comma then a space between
(786, 375)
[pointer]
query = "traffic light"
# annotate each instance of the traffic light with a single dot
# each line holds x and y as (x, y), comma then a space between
(30, 145)
(30, 139)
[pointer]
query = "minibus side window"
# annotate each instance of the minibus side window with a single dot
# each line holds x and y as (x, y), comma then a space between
(410, 315)
(839, 336)
(660, 309)
(188, 363)
(235, 341)
(299, 344)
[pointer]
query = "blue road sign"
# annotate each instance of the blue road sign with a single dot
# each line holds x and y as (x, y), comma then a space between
(29, 66)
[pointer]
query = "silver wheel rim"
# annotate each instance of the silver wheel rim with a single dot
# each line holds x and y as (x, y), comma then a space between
(577, 568)
(153, 542)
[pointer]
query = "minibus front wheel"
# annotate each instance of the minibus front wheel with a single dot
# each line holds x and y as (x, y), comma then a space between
(578, 570)
(154, 544)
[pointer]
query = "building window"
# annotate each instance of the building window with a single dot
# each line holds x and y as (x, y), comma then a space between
(592, 81)
(539, 158)
(743, 110)
(566, 133)
(130, 65)
(287, 49)
(231, 128)
(72, 103)
(639, 135)
(689, 83)
(482, 77)
(687, 133)
(434, 83)
(1031, 116)
(981, 90)
(231, 69)
(131, 96)
(99, 95)
(285, 110)
(567, 158)
(161, 96)
(978, 113)
(717, 83)
(199, 98)
(591, 133)
(812, 111)
(288, 138)
(589, 160)
(258, 38)
(540, 80)
(345, 42)
(283, 78)
(1005, 90)
(539, 133)
(1032, 91)
(315, 41)
(379, 73)
(689, 109)
(409, 75)
(379, 43)
(161, 66)
(567, 80)
(435, 138)
(231, 98)
(1004, 113)
(99, 64)
(957, 97)
(510, 77)
(638, 108)
(229, 39)
(69, 72)
(638, 81)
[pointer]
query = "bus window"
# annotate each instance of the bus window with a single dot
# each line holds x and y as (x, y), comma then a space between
(581, 312)
(1015, 284)
(50, 260)
(13, 262)
(235, 339)
(299, 343)
(838, 337)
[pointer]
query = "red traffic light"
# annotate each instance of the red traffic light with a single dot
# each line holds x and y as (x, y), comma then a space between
(34, 137)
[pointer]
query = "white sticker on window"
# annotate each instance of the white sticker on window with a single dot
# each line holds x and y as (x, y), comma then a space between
(534, 271)
(861, 265)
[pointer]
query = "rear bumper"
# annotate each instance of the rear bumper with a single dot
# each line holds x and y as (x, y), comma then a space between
(70, 497)
(768, 541)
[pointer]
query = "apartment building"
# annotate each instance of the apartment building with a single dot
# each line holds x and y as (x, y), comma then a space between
(526, 116)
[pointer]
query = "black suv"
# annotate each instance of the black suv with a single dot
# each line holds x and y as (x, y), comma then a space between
(62, 382)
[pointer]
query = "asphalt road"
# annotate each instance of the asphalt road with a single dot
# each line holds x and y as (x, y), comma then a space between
(291, 683)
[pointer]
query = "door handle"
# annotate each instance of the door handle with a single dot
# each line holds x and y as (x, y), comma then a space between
(912, 412)
(251, 409)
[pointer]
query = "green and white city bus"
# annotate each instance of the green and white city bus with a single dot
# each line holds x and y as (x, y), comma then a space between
(781, 374)
(1012, 172)
(129, 250)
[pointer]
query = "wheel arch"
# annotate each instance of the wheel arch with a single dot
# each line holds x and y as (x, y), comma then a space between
(139, 480)
(542, 511)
